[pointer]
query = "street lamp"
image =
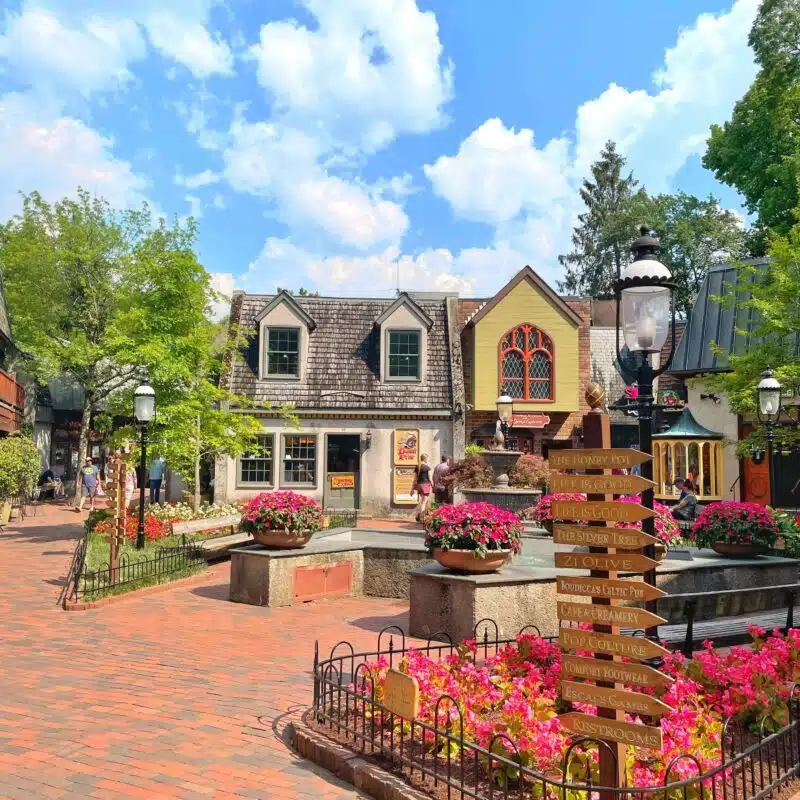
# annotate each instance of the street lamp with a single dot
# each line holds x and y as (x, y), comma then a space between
(769, 409)
(645, 307)
(144, 409)
(505, 407)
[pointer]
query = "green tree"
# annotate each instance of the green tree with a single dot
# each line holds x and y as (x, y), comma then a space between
(771, 294)
(694, 234)
(755, 150)
(601, 239)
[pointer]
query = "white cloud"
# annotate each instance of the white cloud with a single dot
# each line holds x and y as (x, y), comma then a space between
(195, 205)
(282, 165)
(219, 202)
(190, 44)
(222, 283)
(56, 154)
(198, 180)
(371, 70)
(498, 173)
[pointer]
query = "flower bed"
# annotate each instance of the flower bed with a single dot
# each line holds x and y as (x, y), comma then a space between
(281, 511)
(481, 527)
(749, 524)
(514, 693)
(183, 512)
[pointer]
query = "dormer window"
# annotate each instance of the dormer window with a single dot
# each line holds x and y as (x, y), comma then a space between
(283, 352)
(404, 355)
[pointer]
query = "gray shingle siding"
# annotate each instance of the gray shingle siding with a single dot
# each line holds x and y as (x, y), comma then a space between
(344, 359)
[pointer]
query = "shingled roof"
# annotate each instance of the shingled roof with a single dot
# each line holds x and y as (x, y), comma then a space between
(723, 323)
(343, 368)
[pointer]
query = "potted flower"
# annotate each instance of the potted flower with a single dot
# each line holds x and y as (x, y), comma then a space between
(736, 529)
(472, 537)
(542, 512)
(281, 519)
(666, 528)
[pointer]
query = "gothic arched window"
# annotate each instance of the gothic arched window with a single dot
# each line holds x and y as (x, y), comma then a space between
(526, 364)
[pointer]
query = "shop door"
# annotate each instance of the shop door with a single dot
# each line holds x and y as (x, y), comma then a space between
(755, 477)
(343, 471)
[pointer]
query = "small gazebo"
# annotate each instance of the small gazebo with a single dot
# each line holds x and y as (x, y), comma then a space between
(688, 450)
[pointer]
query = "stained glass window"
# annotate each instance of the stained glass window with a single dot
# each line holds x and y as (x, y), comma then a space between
(526, 364)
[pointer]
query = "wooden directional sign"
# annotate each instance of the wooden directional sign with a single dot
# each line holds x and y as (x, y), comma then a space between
(637, 591)
(596, 669)
(600, 484)
(611, 458)
(600, 510)
(610, 644)
(630, 702)
(613, 730)
(620, 538)
(619, 562)
(621, 616)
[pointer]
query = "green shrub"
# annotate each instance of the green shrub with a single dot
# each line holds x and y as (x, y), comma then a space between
(473, 450)
(19, 465)
(474, 472)
(95, 518)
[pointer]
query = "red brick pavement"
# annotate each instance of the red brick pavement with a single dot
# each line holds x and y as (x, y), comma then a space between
(179, 694)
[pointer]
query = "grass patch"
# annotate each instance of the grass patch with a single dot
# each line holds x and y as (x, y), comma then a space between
(139, 568)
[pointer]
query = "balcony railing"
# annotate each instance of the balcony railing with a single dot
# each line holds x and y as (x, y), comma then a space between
(12, 403)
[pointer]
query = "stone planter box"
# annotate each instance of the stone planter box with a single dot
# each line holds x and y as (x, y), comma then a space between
(465, 561)
(283, 540)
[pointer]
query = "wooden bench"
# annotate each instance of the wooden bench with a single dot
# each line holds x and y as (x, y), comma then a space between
(189, 527)
(701, 621)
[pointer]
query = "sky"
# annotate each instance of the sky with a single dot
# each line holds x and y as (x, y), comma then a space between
(352, 147)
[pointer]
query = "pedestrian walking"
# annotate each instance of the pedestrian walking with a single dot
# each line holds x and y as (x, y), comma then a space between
(423, 487)
(156, 476)
(440, 473)
(88, 477)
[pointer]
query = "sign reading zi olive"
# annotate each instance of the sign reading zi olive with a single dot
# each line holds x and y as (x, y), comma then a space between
(630, 702)
(587, 535)
(610, 644)
(621, 616)
(600, 484)
(613, 730)
(611, 458)
(596, 669)
(618, 562)
(638, 591)
(600, 510)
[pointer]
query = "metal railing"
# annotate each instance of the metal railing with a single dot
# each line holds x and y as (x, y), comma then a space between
(341, 517)
(438, 757)
(88, 584)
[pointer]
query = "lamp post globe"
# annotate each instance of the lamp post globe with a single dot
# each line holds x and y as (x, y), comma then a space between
(144, 409)
(505, 407)
(769, 409)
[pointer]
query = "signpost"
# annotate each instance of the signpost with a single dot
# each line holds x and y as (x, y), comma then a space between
(600, 484)
(619, 538)
(611, 551)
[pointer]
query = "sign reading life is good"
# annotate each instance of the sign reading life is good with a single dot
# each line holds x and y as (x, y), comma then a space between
(606, 592)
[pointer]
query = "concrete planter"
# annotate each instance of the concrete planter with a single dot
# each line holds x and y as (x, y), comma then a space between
(466, 560)
(737, 550)
(283, 540)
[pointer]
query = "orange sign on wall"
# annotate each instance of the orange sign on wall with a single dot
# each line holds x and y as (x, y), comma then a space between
(343, 481)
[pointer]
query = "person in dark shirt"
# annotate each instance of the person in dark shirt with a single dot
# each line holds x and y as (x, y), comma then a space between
(423, 487)
(687, 507)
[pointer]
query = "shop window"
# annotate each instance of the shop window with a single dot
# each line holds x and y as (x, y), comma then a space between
(526, 364)
(283, 352)
(300, 459)
(404, 355)
(256, 467)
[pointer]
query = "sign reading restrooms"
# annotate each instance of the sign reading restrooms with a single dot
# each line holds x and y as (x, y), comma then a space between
(613, 551)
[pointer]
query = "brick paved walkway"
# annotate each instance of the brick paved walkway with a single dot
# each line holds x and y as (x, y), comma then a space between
(180, 694)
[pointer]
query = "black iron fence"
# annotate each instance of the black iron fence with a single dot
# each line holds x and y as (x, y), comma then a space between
(85, 583)
(754, 760)
(342, 517)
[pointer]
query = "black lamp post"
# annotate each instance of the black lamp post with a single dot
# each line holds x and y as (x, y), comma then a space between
(144, 409)
(769, 409)
(646, 306)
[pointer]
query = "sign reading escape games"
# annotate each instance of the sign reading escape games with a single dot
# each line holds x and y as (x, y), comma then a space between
(606, 592)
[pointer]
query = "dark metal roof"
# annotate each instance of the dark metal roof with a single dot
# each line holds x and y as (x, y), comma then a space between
(687, 427)
(711, 321)
(343, 367)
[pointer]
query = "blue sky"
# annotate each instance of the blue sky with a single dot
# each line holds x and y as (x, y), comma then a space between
(335, 144)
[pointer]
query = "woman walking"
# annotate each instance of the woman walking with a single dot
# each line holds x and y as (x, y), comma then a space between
(423, 487)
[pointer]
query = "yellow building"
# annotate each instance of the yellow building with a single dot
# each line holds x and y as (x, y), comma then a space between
(533, 345)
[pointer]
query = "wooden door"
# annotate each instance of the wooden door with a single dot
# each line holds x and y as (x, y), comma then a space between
(755, 477)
